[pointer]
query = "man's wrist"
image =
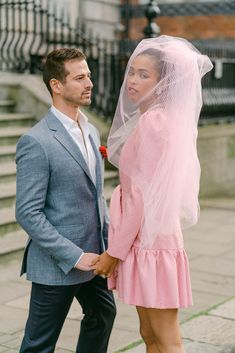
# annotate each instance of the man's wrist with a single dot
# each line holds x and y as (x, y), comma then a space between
(79, 259)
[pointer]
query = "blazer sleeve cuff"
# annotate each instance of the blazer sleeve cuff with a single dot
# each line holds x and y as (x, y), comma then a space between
(68, 263)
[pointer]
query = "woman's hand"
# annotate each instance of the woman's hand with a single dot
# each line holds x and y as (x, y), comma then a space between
(104, 265)
(86, 261)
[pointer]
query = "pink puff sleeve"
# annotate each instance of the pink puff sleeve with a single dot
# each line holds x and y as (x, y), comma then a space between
(126, 209)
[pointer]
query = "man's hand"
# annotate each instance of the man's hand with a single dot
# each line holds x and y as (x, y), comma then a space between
(104, 265)
(86, 262)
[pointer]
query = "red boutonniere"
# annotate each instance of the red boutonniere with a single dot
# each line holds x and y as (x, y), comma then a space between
(103, 151)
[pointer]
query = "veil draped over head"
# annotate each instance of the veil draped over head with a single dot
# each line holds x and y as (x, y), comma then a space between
(153, 140)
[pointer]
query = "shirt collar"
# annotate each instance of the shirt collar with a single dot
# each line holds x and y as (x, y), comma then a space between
(70, 123)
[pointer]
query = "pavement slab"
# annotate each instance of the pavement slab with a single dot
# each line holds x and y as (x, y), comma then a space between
(75, 312)
(221, 235)
(13, 343)
(191, 347)
(211, 249)
(202, 301)
(195, 347)
(5, 337)
(226, 310)
(214, 265)
(213, 283)
(204, 247)
(230, 255)
(12, 319)
(11, 291)
(210, 329)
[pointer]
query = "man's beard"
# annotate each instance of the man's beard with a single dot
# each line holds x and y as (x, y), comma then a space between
(85, 102)
(79, 102)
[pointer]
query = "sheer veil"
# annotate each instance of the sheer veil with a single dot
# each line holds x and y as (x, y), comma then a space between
(155, 148)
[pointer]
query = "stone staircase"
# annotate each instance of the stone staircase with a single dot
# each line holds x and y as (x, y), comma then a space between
(12, 126)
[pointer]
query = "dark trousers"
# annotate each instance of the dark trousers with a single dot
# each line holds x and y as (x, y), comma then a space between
(49, 306)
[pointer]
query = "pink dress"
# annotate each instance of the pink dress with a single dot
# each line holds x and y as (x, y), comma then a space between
(154, 277)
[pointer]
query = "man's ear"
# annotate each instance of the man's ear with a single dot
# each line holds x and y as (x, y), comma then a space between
(56, 86)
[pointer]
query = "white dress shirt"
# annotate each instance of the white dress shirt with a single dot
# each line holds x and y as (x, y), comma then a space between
(80, 135)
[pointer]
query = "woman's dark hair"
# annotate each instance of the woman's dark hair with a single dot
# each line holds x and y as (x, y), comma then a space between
(156, 55)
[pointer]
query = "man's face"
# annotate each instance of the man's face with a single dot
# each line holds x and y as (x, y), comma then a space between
(76, 90)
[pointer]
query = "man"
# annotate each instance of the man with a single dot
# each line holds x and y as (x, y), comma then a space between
(60, 205)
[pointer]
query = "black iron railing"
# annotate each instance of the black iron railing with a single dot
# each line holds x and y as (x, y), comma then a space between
(30, 29)
(219, 83)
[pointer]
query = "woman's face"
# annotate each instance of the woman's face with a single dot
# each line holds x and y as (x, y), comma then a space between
(142, 77)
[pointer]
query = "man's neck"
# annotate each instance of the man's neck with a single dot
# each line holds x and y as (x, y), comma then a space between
(70, 111)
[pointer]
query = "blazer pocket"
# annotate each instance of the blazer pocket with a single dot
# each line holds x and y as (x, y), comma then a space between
(73, 233)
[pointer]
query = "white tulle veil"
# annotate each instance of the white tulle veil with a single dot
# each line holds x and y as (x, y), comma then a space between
(161, 141)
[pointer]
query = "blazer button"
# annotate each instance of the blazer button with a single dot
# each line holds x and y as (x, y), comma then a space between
(99, 226)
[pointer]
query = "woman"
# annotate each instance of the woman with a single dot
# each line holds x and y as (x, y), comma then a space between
(153, 143)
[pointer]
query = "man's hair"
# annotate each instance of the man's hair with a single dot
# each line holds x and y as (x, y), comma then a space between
(53, 66)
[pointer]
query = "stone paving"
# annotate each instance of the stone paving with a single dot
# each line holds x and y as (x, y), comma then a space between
(207, 327)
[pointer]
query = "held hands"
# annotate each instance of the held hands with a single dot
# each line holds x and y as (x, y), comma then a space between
(86, 261)
(104, 265)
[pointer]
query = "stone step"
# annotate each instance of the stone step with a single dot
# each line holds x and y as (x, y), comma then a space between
(10, 136)
(7, 172)
(16, 119)
(7, 215)
(8, 187)
(11, 242)
(7, 105)
(12, 238)
(7, 194)
(8, 169)
(7, 221)
(7, 154)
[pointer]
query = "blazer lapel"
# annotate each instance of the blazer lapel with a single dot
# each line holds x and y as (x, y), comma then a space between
(98, 165)
(63, 137)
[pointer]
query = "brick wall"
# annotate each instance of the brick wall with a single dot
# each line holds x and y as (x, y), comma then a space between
(190, 27)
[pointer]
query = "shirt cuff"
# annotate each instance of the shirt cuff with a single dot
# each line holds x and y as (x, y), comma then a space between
(79, 259)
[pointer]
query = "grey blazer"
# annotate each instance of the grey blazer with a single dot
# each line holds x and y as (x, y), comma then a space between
(57, 204)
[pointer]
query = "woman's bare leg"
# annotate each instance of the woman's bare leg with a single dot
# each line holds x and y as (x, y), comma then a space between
(146, 331)
(166, 330)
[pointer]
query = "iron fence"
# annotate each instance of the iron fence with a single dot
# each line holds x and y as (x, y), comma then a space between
(30, 29)
(219, 83)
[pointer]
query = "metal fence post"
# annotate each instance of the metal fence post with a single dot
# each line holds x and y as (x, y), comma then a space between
(152, 11)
